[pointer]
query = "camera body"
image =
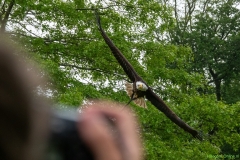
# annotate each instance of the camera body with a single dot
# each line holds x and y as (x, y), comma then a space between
(65, 142)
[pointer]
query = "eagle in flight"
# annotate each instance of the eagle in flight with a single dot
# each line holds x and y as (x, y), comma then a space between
(138, 89)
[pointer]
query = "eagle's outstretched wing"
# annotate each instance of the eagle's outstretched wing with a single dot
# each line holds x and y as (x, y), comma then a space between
(150, 95)
(160, 105)
(127, 67)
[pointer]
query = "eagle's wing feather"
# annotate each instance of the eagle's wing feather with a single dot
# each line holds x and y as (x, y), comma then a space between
(160, 105)
(127, 67)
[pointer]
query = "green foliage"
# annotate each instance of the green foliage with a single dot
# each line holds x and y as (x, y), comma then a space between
(174, 56)
(212, 34)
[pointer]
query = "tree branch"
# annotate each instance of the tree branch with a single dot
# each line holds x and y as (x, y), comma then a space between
(5, 19)
(93, 9)
(222, 76)
(92, 69)
(205, 4)
(3, 11)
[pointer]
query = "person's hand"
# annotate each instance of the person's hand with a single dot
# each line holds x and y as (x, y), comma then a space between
(118, 140)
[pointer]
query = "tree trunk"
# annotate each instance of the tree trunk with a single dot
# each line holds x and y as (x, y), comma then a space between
(217, 81)
(218, 89)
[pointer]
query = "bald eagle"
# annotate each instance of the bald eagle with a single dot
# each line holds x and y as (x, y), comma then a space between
(139, 88)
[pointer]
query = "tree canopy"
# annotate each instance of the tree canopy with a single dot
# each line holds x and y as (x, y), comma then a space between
(187, 51)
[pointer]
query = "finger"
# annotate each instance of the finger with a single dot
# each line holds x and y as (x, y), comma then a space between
(127, 131)
(126, 125)
(96, 135)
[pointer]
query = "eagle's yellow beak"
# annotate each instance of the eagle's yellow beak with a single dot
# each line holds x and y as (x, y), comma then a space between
(140, 86)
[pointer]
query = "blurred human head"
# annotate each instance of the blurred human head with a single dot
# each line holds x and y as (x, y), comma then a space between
(22, 123)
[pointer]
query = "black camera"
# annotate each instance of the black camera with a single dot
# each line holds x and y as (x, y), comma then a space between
(65, 142)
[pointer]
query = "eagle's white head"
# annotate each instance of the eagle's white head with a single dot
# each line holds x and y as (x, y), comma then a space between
(141, 86)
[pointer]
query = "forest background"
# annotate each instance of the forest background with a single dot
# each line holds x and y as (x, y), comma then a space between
(188, 51)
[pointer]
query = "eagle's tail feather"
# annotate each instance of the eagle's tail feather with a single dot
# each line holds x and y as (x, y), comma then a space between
(140, 102)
